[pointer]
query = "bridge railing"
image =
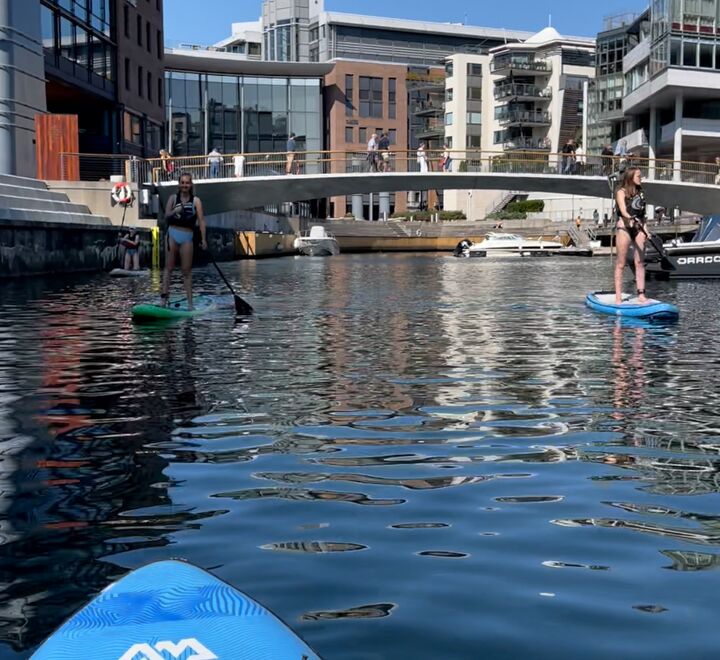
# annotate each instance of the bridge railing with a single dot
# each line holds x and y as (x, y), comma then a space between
(512, 161)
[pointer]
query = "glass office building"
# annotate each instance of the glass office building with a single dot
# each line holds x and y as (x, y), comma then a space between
(242, 113)
(77, 41)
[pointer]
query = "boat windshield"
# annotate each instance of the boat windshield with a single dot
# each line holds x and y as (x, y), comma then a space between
(709, 230)
(501, 237)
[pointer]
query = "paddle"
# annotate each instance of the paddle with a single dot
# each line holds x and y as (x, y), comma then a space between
(656, 243)
(242, 308)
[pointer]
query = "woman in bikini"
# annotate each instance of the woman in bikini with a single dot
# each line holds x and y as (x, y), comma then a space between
(630, 204)
(182, 213)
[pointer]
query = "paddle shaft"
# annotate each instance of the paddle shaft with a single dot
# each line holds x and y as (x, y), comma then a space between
(241, 306)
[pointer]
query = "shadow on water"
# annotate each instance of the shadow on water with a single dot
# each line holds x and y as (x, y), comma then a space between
(398, 454)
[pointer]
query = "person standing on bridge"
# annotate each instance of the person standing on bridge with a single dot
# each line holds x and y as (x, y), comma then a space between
(422, 158)
(630, 205)
(372, 153)
(214, 160)
(384, 147)
(290, 149)
(183, 211)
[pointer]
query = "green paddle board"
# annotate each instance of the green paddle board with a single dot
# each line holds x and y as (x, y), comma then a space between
(175, 310)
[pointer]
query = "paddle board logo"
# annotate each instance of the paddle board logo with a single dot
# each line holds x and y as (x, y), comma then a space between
(167, 650)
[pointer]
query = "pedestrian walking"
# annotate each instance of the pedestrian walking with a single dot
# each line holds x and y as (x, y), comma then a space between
(290, 155)
(568, 157)
(384, 148)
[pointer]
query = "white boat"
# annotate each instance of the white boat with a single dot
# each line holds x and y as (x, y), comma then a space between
(498, 244)
(318, 243)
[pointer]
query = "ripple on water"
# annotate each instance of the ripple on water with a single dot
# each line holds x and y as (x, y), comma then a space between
(437, 395)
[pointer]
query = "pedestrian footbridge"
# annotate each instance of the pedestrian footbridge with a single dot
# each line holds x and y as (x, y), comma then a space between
(259, 180)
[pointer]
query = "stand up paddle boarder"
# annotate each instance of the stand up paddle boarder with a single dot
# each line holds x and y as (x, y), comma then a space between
(183, 211)
(630, 205)
(131, 242)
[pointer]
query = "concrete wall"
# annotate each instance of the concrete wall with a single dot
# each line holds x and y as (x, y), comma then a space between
(33, 248)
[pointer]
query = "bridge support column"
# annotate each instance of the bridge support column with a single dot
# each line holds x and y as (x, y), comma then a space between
(384, 211)
(652, 142)
(357, 207)
(677, 151)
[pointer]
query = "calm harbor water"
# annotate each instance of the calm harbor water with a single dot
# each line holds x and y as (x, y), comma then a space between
(404, 456)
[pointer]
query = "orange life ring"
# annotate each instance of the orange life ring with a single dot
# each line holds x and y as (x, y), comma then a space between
(121, 194)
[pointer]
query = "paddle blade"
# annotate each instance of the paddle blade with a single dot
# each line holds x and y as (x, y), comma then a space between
(657, 244)
(242, 308)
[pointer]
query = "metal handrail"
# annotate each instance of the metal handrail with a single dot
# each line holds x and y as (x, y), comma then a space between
(520, 156)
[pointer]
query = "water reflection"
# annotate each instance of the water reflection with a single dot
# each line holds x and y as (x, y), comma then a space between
(455, 408)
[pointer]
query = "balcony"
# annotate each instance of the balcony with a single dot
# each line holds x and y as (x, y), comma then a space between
(425, 109)
(508, 65)
(522, 92)
(527, 144)
(433, 129)
(510, 118)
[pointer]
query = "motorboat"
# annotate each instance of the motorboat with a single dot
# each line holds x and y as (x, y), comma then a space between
(698, 258)
(462, 249)
(499, 244)
(318, 243)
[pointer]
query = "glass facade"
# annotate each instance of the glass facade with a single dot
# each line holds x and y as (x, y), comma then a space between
(241, 113)
(684, 33)
(77, 40)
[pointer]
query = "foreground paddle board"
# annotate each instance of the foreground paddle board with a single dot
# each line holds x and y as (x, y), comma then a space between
(175, 310)
(170, 610)
(121, 272)
(604, 302)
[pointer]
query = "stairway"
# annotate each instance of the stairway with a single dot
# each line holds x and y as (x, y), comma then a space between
(29, 200)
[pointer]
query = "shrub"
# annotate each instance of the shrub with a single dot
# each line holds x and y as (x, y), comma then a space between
(426, 216)
(526, 206)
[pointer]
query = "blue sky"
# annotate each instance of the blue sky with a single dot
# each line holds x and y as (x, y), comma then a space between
(190, 21)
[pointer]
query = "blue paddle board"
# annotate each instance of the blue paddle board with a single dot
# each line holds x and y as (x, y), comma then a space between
(171, 610)
(176, 309)
(656, 310)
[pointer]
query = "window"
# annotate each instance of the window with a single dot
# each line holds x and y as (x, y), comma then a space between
(127, 74)
(690, 53)
(160, 92)
(474, 93)
(392, 135)
(126, 20)
(449, 69)
(392, 97)
(706, 55)
(363, 135)
(159, 45)
(149, 86)
(349, 95)
(448, 118)
(148, 39)
(371, 97)
(474, 118)
(474, 69)
(473, 141)
(449, 142)
(139, 30)
(349, 135)
(449, 94)
(140, 81)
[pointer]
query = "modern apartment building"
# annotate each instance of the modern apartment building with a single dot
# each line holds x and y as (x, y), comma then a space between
(606, 118)
(246, 39)
(140, 75)
(104, 63)
(521, 97)
(672, 80)
(362, 98)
